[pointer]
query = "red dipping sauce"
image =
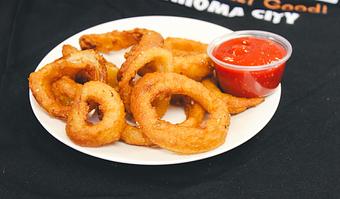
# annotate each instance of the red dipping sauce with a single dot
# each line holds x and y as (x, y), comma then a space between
(250, 63)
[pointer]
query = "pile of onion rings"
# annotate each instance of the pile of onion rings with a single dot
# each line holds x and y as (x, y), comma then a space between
(102, 104)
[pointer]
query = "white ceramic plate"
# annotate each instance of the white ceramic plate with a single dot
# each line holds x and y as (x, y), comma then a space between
(243, 126)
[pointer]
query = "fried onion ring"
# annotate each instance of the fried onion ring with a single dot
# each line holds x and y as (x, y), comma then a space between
(194, 113)
(112, 69)
(134, 136)
(181, 46)
(86, 65)
(196, 66)
(148, 50)
(65, 90)
(115, 40)
(112, 72)
(235, 104)
(184, 140)
(189, 57)
(109, 128)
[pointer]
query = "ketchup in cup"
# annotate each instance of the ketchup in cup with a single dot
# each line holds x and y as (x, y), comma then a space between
(249, 63)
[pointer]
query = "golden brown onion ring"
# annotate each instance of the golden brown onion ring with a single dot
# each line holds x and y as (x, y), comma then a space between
(235, 104)
(189, 57)
(134, 136)
(115, 40)
(128, 73)
(194, 113)
(109, 128)
(181, 46)
(185, 140)
(88, 65)
(148, 50)
(194, 66)
(112, 72)
(112, 69)
(65, 90)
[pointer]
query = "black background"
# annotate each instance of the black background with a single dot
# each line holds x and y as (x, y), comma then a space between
(295, 156)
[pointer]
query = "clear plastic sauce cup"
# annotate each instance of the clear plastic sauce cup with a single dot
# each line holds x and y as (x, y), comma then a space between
(249, 63)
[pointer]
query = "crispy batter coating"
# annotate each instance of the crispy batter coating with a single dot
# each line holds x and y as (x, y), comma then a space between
(65, 90)
(181, 46)
(189, 57)
(112, 123)
(235, 104)
(106, 42)
(134, 136)
(112, 69)
(194, 66)
(112, 72)
(194, 113)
